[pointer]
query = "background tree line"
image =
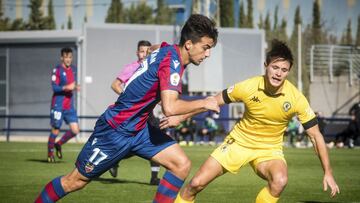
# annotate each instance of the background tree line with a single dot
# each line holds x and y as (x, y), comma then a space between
(139, 13)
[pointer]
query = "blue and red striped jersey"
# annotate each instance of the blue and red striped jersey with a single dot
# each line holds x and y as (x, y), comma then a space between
(162, 70)
(61, 76)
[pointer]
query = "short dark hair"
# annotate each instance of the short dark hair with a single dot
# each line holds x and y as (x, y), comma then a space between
(196, 27)
(279, 50)
(66, 50)
(143, 43)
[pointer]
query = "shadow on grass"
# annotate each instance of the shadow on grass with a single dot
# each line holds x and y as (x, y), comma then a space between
(44, 161)
(121, 181)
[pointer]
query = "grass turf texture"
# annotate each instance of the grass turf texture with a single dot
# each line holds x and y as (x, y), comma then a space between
(24, 172)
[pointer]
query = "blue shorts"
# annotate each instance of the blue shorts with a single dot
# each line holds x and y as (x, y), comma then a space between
(107, 146)
(57, 116)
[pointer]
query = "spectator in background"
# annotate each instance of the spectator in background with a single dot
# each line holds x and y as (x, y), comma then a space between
(321, 121)
(210, 127)
(292, 131)
(351, 133)
(186, 132)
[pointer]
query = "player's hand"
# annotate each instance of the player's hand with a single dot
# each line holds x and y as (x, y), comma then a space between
(211, 104)
(69, 87)
(169, 122)
(330, 181)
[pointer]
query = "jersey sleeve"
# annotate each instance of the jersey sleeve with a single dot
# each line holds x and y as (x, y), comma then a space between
(170, 74)
(234, 93)
(305, 113)
(55, 81)
(125, 74)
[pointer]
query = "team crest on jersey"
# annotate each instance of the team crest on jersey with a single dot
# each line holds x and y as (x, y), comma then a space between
(64, 73)
(286, 106)
(174, 79)
(224, 148)
(89, 167)
(230, 89)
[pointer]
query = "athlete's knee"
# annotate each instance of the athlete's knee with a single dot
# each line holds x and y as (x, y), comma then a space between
(185, 165)
(196, 184)
(75, 130)
(278, 184)
(72, 183)
(55, 131)
(182, 167)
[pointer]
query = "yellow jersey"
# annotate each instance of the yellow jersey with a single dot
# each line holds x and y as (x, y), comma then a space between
(266, 117)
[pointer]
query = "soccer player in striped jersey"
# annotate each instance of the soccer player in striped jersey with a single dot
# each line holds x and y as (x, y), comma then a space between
(270, 102)
(63, 82)
(123, 128)
(143, 48)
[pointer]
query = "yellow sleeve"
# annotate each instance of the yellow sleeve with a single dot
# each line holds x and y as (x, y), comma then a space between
(304, 111)
(235, 93)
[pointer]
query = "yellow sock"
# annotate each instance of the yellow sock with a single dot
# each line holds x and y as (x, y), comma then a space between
(265, 196)
(181, 200)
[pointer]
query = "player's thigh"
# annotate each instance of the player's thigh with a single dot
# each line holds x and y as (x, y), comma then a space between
(151, 142)
(273, 169)
(56, 118)
(231, 155)
(70, 116)
(171, 157)
(104, 149)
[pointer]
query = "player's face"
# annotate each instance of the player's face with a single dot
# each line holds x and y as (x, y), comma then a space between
(142, 52)
(199, 51)
(277, 71)
(66, 58)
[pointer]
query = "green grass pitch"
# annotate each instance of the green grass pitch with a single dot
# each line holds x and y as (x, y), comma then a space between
(24, 172)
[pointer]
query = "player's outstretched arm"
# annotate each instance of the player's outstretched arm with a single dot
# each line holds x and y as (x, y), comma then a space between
(320, 148)
(172, 105)
(173, 121)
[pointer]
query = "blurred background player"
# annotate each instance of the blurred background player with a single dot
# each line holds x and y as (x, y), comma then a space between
(143, 47)
(62, 103)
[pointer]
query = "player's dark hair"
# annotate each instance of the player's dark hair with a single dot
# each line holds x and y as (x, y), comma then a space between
(66, 50)
(196, 27)
(279, 50)
(143, 43)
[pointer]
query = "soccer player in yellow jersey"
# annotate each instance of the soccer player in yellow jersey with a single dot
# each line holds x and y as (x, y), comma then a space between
(270, 103)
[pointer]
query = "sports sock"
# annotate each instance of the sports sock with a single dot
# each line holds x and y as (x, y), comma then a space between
(179, 199)
(265, 196)
(66, 137)
(52, 192)
(155, 168)
(51, 143)
(168, 188)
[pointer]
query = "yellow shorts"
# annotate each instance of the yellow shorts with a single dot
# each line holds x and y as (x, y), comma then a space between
(232, 156)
